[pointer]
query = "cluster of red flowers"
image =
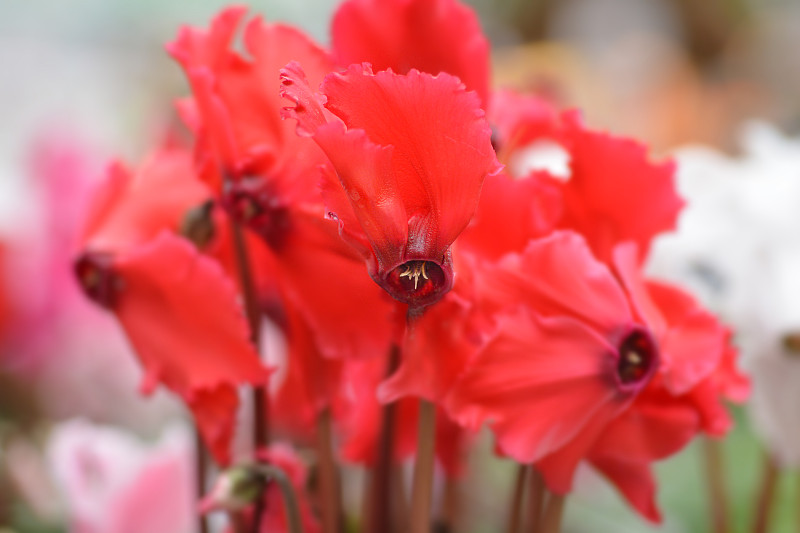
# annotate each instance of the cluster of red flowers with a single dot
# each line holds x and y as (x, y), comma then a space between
(357, 197)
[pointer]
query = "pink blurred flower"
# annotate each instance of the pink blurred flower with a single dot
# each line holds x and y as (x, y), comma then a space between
(112, 482)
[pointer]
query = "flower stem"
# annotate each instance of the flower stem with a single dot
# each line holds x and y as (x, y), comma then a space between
(260, 397)
(379, 511)
(201, 462)
(716, 485)
(551, 518)
(422, 490)
(536, 496)
(451, 498)
(766, 495)
(291, 506)
(515, 514)
(328, 475)
(238, 522)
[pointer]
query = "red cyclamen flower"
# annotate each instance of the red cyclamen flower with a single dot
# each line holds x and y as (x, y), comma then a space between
(410, 153)
(179, 310)
(584, 362)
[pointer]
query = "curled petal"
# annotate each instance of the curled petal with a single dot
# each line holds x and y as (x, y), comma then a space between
(237, 102)
(615, 192)
(510, 213)
(428, 35)
(695, 342)
(131, 208)
(558, 275)
(442, 146)
(181, 315)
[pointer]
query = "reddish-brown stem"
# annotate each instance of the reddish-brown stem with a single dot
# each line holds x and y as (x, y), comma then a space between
(260, 397)
(536, 500)
(451, 499)
(515, 514)
(422, 488)
(553, 511)
(201, 472)
(379, 510)
(238, 522)
(716, 485)
(766, 495)
(328, 476)
(247, 283)
(400, 507)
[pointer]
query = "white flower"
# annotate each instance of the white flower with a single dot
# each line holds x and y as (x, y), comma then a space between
(738, 247)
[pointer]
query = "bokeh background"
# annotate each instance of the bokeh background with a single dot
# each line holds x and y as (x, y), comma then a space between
(82, 81)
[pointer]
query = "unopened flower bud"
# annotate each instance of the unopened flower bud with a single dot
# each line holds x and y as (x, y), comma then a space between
(235, 489)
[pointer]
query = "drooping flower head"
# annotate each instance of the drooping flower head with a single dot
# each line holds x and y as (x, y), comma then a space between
(582, 345)
(178, 308)
(409, 154)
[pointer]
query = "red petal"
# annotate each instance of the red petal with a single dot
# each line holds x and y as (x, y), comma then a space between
(635, 481)
(442, 148)
(214, 409)
(309, 384)
(347, 312)
(428, 35)
(558, 275)
(182, 316)
(626, 267)
(558, 468)
(196, 47)
(435, 353)
(338, 209)
(538, 382)
(656, 426)
(615, 193)
(521, 119)
(131, 209)
(695, 342)
(511, 213)
(365, 173)
(239, 102)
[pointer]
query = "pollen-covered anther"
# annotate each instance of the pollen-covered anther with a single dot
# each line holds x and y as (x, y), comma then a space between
(415, 270)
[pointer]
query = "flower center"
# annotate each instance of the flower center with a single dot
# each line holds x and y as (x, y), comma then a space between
(418, 283)
(97, 278)
(638, 358)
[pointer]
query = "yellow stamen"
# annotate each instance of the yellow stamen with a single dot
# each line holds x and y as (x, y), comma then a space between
(415, 270)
